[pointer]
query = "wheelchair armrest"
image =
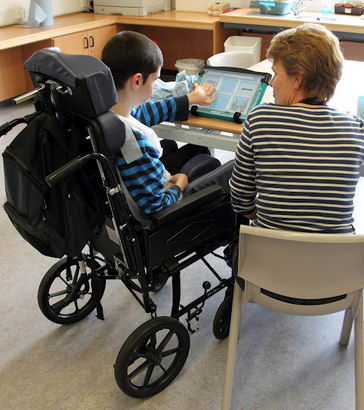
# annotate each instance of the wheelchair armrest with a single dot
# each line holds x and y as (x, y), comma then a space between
(186, 205)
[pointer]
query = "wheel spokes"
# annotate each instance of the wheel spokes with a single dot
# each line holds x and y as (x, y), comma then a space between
(147, 351)
(148, 375)
(165, 341)
(153, 342)
(139, 369)
(60, 293)
(152, 357)
(170, 352)
(57, 307)
(75, 278)
(63, 280)
(61, 304)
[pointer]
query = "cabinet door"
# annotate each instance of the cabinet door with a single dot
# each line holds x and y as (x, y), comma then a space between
(12, 76)
(98, 38)
(77, 43)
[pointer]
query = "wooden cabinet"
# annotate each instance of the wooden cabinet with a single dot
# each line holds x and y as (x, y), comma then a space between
(85, 42)
(14, 80)
(12, 75)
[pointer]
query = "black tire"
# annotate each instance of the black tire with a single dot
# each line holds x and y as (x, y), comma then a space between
(143, 366)
(222, 319)
(66, 300)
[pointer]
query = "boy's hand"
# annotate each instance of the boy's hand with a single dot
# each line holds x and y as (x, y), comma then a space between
(180, 180)
(201, 94)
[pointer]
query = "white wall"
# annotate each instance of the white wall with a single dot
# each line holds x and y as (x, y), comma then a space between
(316, 5)
(11, 11)
(202, 5)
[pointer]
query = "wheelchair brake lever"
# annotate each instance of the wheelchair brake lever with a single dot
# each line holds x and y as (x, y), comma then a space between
(197, 310)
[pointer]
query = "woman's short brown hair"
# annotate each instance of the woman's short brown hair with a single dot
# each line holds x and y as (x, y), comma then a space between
(313, 51)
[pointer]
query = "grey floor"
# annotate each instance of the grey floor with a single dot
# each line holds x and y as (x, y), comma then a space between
(285, 362)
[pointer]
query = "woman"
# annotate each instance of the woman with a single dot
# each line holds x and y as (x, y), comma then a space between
(297, 162)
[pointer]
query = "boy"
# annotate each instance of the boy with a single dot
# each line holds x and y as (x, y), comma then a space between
(135, 62)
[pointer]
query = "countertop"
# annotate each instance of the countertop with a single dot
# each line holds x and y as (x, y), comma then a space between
(17, 35)
(335, 22)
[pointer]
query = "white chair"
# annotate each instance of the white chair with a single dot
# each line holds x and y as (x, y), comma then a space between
(307, 266)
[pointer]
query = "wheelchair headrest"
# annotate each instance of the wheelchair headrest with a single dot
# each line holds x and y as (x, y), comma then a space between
(90, 86)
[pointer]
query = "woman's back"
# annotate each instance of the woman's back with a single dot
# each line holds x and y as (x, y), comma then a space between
(304, 163)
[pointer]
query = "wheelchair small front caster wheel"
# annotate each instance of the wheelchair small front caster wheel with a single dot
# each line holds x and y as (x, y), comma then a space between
(159, 280)
(65, 296)
(221, 325)
(152, 357)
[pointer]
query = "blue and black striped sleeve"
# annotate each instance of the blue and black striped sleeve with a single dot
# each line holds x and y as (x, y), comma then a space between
(144, 178)
(168, 109)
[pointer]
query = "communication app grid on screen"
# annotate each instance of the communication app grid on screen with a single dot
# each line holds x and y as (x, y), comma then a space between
(235, 92)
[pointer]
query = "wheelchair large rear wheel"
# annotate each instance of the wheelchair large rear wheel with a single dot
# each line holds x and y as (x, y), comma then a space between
(65, 296)
(221, 325)
(152, 357)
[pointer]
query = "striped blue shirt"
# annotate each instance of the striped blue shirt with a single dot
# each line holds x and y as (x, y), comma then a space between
(169, 109)
(143, 176)
(138, 161)
(298, 167)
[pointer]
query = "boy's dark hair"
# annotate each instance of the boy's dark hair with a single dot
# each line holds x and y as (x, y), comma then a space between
(128, 53)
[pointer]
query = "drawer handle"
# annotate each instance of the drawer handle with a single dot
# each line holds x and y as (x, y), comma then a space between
(85, 42)
(92, 41)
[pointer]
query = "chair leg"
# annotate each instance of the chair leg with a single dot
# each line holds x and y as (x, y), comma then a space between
(232, 345)
(346, 328)
(359, 359)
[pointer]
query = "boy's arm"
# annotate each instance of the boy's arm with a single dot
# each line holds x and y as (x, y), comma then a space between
(142, 174)
(173, 109)
(242, 182)
(168, 109)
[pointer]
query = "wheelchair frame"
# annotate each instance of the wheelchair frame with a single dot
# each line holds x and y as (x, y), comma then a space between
(129, 253)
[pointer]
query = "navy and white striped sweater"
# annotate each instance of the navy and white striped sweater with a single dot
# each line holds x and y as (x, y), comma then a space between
(299, 167)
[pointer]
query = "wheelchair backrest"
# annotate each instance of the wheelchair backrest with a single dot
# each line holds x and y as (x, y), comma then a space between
(80, 88)
(83, 86)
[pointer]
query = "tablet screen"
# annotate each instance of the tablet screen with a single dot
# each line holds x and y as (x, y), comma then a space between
(236, 91)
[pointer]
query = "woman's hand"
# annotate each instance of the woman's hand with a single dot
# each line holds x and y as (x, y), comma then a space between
(180, 180)
(201, 94)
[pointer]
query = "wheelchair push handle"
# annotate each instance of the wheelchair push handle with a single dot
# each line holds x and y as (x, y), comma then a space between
(64, 171)
(67, 169)
(5, 128)
(8, 126)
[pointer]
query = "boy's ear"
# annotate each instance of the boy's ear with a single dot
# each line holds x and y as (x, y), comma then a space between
(136, 80)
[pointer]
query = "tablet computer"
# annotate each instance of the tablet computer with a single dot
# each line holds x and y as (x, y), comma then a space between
(237, 92)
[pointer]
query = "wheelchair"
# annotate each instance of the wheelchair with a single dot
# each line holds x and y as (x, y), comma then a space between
(141, 251)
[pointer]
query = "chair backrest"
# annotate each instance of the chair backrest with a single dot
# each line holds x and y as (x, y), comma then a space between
(301, 265)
